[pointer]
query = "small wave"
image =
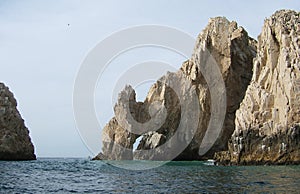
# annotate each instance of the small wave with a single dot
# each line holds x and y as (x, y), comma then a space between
(209, 162)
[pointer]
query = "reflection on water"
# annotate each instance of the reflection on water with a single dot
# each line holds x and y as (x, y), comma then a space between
(80, 175)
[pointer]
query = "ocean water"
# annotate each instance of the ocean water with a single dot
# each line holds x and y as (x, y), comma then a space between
(47, 175)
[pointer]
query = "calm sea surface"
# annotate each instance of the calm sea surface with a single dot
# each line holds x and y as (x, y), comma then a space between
(85, 176)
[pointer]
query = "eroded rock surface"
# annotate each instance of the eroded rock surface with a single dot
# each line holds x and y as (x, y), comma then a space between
(267, 123)
(15, 143)
(233, 51)
(117, 141)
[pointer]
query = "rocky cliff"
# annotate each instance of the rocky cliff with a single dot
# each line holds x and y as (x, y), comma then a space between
(15, 143)
(261, 89)
(267, 124)
(232, 50)
(182, 101)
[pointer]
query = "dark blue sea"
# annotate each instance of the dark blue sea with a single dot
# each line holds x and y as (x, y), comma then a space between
(49, 175)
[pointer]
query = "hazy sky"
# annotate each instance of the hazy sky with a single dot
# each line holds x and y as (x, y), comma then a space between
(43, 44)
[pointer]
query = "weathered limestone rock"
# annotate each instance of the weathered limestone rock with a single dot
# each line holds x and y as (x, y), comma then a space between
(179, 97)
(15, 143)
(267, 123)
(233, 50)
(115, 138)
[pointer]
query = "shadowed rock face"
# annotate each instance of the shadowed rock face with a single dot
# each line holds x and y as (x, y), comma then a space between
(233, 50)
(267, 123)
(15, 143)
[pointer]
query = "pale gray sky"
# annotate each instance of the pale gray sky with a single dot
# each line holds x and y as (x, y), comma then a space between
(40, 53)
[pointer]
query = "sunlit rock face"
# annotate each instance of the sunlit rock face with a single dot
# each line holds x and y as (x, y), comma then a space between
(267, 123)
(15, 143)
(233, 51)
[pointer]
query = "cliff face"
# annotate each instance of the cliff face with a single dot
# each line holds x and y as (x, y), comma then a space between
(15, 143)
(267, 123)
(262, 117)
(233, 51)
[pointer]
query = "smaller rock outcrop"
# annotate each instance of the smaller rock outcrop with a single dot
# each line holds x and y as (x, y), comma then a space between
(267, 124)
(117, 141)
(15, 143)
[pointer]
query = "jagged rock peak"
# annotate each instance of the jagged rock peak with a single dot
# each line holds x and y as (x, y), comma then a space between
(226, 42)
(219, 33)
(267, 122)
(284, 22)
(233, 51)
(15, 143)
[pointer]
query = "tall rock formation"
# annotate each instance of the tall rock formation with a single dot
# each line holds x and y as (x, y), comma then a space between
(15, 143)
(233, 51)
(267, 124)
